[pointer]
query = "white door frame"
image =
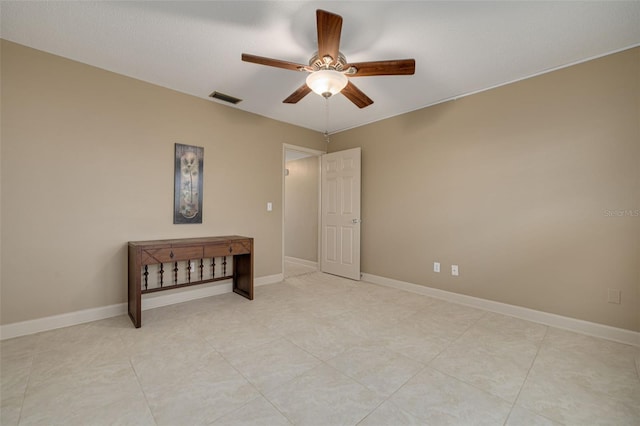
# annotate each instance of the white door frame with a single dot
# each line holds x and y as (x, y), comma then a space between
(318, 154)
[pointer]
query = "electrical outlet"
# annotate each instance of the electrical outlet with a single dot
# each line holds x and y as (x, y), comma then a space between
(613, 296)
(436, 266)
(193, 266)
(454, 270)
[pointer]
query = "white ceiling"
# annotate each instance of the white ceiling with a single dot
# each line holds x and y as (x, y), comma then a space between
(195, 47)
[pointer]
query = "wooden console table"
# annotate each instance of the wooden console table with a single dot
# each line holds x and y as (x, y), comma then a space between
(168, 264)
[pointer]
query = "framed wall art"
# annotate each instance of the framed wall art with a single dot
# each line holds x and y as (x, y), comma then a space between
(189, 164)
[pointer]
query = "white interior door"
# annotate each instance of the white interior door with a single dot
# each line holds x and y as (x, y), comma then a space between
(340, 213)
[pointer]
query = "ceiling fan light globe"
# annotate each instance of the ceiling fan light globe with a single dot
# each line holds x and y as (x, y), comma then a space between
(327, 82)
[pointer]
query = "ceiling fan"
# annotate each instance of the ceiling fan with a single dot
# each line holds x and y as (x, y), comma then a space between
(328, 68)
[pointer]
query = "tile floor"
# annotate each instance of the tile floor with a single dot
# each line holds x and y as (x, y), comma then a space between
(291, 269)
(318, 350)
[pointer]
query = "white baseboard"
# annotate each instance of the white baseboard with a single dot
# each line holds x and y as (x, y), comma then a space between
(269, 279)
(301, 261)
(37, 325)
(153, 300)
(585, 327)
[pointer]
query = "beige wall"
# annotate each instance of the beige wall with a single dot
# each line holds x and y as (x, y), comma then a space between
(301, 209)
(520, 186)
(87, 165)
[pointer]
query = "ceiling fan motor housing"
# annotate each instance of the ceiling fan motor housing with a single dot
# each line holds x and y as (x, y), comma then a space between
(328, 62)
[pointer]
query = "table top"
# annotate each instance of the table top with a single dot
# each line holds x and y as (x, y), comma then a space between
(188, 241)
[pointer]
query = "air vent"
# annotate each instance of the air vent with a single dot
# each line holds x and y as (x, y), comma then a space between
(225, 98)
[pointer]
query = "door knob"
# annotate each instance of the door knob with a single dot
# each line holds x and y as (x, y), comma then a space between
(356, 221)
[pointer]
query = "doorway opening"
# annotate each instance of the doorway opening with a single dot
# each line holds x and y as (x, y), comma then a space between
(300, 210)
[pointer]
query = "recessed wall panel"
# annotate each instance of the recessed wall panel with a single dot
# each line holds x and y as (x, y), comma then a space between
(331, 239)
(331, 196)
(331, 166)
(347, 164)
(347, 194)
(347, 245)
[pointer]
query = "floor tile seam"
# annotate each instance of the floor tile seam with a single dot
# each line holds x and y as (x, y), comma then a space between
(524, 382)
(286, 337)
(265, 392)
(509, 356)
(41, 348)
(251, 327)
(289, 277)
(364, 385)
(596, 392)
(14, 357)
(592, 360)
(473, 385)
(387, 401)
(609, 397)
(451, 342)
(506, 401)
(386, 347)
(26, 387)
(226, 359)
(469, 327)
(509, 337)
(28, 384)
(223, 414)
(28, 352)
(332, 325)
(210, 346)
(276, 407)
(636, 361)
(414, 359)
(492, 392)
(555, 422)
(320, 361)
(144, 394)
(254, 348)
(388, 398)
(305, 372)
(282, 333)
(275, 338)
(383, 399)
(255, 386)
(585, 388)
(199, 337)
(124, 345)
(246, 404)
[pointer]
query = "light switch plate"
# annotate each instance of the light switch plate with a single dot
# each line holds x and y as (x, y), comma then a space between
(436, 266)
(613, 296)
(454, 270)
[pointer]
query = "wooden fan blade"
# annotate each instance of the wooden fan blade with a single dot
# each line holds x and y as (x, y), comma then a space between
(394, 67)
(296, 96)
(273, 62)
(329, 27)
(356, 96)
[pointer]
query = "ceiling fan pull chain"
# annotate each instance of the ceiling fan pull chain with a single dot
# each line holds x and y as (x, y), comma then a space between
(326, 122)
